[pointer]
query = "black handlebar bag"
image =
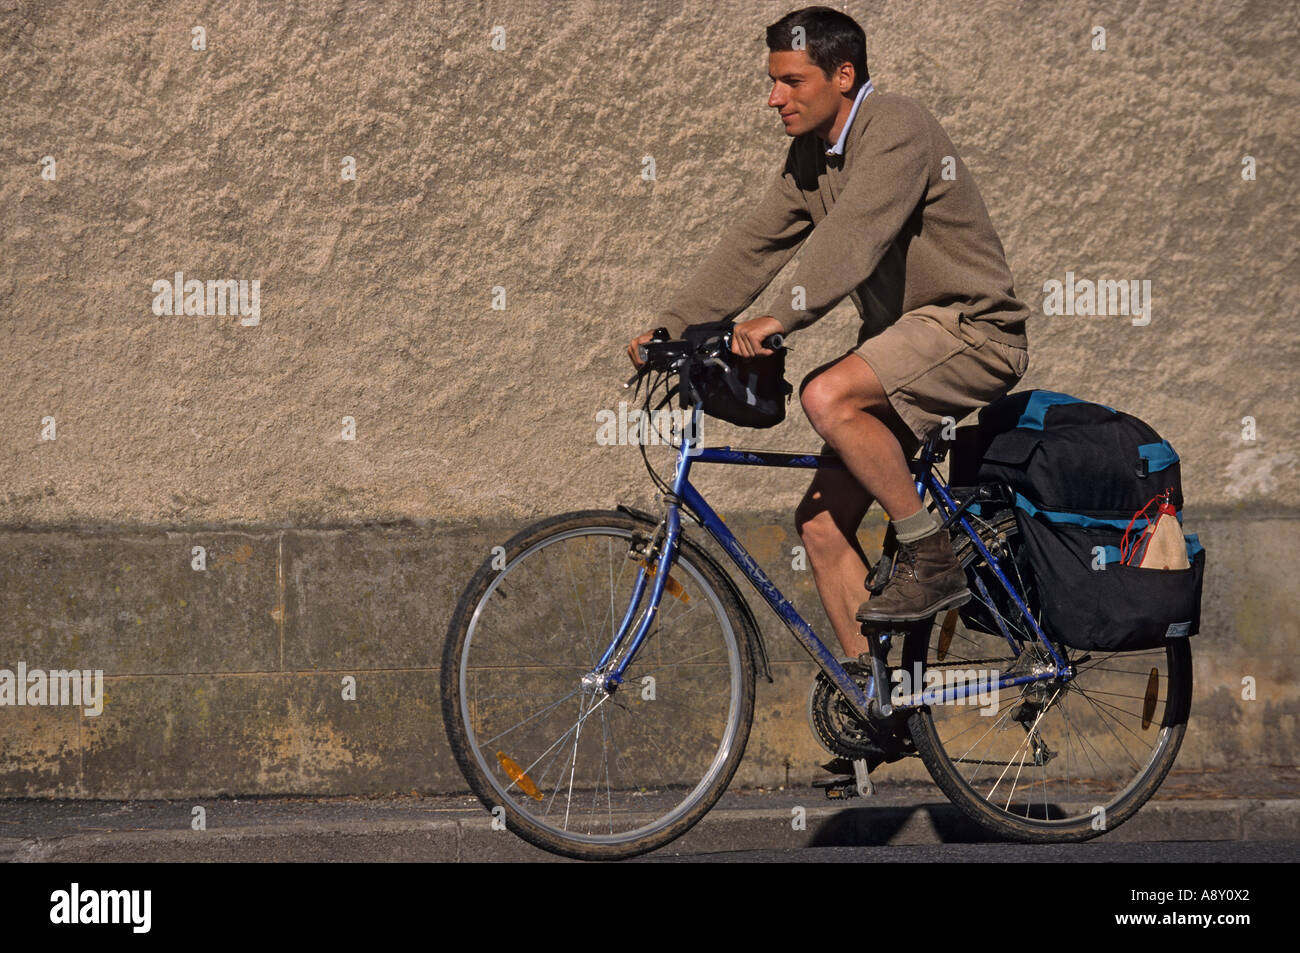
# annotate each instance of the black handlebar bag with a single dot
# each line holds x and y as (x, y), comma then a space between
(1078, 473)
(747, 392)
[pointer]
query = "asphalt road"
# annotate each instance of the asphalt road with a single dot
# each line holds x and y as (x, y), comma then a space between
(1165, 852)
(902, 823)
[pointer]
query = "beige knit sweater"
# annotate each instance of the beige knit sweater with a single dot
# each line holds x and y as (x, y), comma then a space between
(896, 223)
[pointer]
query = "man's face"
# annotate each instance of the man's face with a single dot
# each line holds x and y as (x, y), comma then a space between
(806, 100)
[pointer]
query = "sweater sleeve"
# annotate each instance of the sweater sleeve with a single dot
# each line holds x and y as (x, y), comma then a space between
(887, 180)
(746, 258)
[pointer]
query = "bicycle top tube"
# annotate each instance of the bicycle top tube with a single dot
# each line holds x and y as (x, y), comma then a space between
(920, 464)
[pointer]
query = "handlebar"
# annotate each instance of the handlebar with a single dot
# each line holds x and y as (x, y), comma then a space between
(773, 342)
(687, 359)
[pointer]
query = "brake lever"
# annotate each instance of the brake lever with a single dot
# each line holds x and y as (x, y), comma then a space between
(660, 335)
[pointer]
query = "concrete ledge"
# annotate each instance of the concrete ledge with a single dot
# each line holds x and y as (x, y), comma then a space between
(227, 681)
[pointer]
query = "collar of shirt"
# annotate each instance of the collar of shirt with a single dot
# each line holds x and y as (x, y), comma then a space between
(838, 148)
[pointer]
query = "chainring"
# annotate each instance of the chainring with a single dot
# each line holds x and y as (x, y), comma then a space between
(840, 731)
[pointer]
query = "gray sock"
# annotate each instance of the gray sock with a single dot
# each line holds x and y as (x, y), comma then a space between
(917, 526)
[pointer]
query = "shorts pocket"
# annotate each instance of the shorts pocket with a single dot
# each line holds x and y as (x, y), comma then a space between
(1018, 357)
(1004, 361)
(970, 332)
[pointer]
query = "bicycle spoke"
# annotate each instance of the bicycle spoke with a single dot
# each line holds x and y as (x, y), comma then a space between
(1102, 714)
(1028, 734)
(558, 745)
(531, 717)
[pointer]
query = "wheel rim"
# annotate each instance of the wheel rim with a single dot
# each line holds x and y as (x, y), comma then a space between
(1050, 755)
(608, 768)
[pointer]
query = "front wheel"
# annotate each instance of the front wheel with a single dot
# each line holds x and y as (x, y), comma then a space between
(577, 770)
(1044, 761)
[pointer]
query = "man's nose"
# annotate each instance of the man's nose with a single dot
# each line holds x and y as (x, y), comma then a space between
(776, 98)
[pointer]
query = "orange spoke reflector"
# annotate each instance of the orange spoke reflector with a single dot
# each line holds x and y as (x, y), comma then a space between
(945, 633)
(671, 585)
(1149, 703)
(517, 775)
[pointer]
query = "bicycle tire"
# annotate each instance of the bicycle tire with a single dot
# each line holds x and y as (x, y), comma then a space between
(464, 718)
(1099, 802)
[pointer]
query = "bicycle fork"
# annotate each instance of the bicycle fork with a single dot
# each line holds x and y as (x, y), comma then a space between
(655, 556)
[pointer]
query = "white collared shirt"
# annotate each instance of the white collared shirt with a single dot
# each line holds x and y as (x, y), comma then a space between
(838, 148)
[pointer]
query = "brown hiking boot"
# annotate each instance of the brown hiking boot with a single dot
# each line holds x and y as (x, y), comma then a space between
(927, 578)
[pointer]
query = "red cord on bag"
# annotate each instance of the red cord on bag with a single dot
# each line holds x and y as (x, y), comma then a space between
(1128, 549)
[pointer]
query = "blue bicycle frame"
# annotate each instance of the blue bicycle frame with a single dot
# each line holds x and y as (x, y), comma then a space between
(619, 655)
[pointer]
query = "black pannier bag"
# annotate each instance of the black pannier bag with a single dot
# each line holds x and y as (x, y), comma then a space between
(748, 392)
(1079, 472)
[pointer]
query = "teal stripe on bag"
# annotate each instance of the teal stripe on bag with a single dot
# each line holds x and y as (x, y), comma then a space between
(1158, 455)
(1036, 407)
(1078, 519)
(1073, 519)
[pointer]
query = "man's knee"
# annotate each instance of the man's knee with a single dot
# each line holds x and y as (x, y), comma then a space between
(836, 394)
(825, 403)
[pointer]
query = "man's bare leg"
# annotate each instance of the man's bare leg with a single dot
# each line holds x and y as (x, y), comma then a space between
(847, 406)
(827, 519)
(831, 511)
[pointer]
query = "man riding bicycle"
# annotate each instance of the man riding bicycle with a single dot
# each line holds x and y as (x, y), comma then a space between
(886, 213)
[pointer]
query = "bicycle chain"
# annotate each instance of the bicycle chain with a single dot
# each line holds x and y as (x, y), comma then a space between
(966, 662)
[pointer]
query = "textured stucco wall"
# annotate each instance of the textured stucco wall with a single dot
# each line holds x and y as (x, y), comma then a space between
(522, 168)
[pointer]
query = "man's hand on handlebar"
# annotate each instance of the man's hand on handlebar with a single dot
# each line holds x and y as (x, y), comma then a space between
(634, 349)
(748, 337)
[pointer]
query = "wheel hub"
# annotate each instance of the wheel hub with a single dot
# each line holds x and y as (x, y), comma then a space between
(596, 683)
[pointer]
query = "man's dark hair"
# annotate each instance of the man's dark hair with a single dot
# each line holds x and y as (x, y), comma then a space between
(829, 38)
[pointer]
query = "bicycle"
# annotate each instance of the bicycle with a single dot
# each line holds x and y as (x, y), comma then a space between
(604, 722)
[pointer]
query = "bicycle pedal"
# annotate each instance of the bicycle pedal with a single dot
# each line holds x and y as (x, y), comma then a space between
(838, 788)
(857, 784)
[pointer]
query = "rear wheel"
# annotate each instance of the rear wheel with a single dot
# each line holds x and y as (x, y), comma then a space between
(1045, 761)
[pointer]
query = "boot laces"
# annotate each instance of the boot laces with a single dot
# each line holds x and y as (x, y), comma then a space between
(906, 560)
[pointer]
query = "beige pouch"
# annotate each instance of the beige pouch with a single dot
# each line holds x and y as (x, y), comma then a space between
(1166, 549)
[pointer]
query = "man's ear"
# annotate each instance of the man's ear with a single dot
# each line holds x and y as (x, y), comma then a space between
(846, 75)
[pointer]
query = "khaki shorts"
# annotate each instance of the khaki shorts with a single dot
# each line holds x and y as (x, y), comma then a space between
(928, 373)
